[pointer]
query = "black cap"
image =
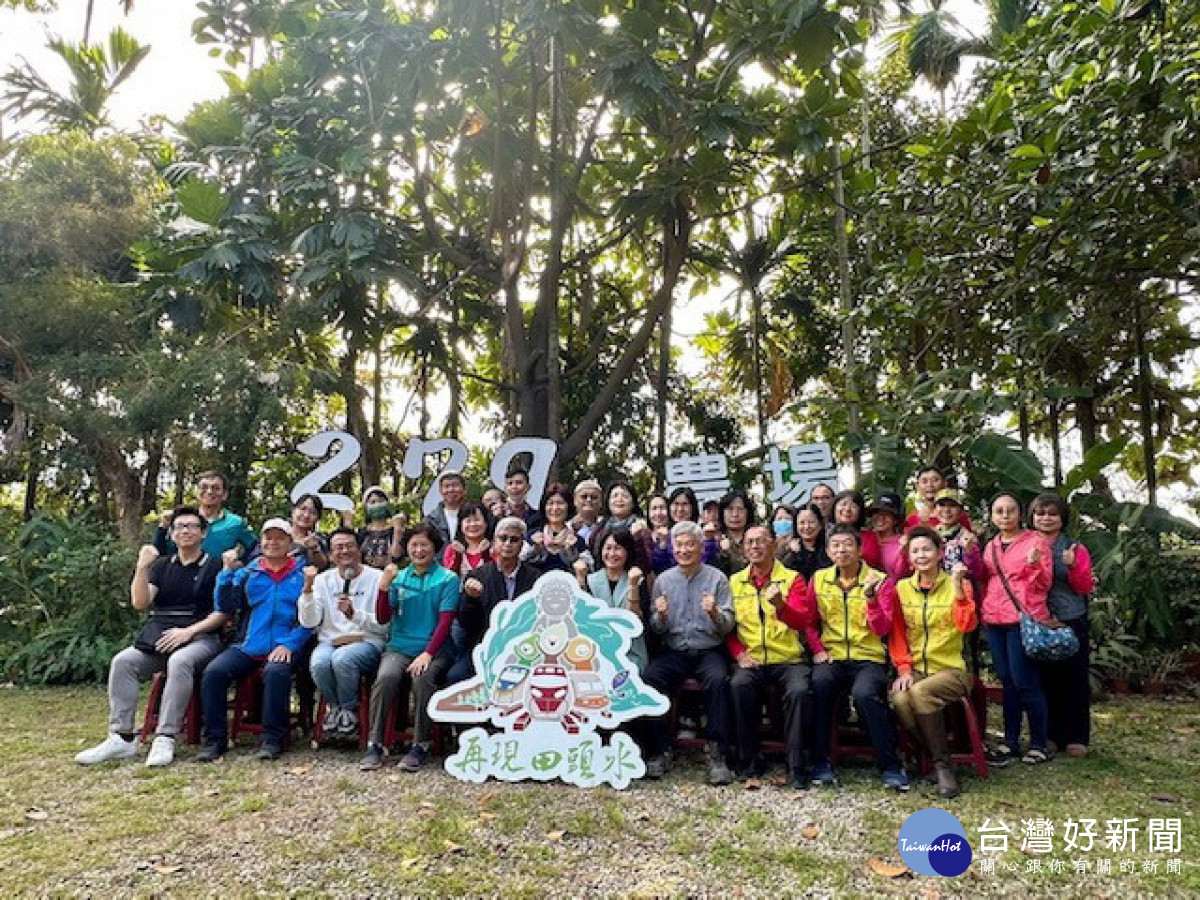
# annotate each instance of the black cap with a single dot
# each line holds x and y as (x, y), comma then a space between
(891, 503)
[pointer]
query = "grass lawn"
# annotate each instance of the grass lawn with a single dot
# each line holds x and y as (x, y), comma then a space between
(312, 824)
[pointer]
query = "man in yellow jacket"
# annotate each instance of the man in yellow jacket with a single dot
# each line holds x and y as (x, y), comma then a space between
(847, 620)
(768, 612)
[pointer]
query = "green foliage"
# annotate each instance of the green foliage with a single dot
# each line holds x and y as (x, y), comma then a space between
(64, 599)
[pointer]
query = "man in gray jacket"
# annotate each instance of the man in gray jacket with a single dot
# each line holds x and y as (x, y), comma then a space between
(692, 614)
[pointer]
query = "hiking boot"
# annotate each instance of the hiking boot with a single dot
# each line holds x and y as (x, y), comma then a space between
(823, 775)
(372, 759)
(896, 780)
(210, 753)
(718, 771)
(112, 747)
(162, 751)
(658, 766)
(414, 758)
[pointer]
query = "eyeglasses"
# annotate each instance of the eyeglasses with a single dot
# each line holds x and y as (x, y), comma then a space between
(507, 539)
(186, 526)
(588, 496)
(211, 488)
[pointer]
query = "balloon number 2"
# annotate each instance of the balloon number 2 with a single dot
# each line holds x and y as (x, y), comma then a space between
(541, 452)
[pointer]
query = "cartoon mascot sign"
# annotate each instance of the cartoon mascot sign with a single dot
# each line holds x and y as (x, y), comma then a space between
(552, 668)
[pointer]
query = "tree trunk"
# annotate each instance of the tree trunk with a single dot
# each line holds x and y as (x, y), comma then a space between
(33, 473)
(846, 308)
(149, 490)
(356, 420)
(1145, 397)
(1052, 413)
(661, 399)
(1089, 435)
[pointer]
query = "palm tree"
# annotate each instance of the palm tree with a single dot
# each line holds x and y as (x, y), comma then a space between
(96, 70)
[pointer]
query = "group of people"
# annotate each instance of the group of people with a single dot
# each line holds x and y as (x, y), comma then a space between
(835, 597)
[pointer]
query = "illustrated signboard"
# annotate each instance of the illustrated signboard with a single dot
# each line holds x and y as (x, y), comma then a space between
(552, 668)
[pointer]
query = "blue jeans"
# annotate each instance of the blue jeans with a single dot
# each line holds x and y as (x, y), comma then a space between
(337, 670)
(233, 665)
(1022, 686)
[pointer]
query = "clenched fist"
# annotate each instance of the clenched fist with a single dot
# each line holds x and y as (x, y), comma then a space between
(662, 606)
(472, 587)
(708, 603)
(774, 595)
(146, 556)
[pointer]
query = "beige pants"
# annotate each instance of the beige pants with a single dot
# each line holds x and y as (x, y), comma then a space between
(930, 694)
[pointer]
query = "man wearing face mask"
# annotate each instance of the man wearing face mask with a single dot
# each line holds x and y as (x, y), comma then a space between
(379, 540)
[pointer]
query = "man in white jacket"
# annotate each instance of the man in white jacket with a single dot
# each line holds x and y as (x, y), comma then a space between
(341, 603)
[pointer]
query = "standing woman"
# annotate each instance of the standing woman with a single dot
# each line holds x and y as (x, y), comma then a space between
(1065, 681)
(783, 526)
(622, 512)
(682, 506)
(554, 546)
(933, 610)
(822, 498)
(380, 541)
(1018, 572)
(472, 544)
(887, 522)
(621, 584)
(849, 508)
(805, 553)
(736, 514)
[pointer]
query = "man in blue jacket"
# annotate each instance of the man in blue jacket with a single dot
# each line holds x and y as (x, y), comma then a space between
(268, 589)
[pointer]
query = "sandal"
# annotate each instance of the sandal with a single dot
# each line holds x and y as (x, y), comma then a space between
(1035, 757)
(1001, 756)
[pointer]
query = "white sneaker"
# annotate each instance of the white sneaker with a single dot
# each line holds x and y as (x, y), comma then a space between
(162, 751)
(113, 747)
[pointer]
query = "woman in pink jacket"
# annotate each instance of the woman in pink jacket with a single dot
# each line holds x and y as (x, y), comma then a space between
(1018, 571)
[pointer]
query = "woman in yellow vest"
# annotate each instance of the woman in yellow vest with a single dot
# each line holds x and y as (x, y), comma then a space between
(933, 611)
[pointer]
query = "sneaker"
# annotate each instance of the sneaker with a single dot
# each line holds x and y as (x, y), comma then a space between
(756, 769)
(823, 775)
(162, 751)
(414, 758)
(798, 780)
(210, 753)
(112, 747)
(372, 759)
(329, 724)
(270, 752)
(658, 766)
(718, 770)
(896, 780)
(347, 723)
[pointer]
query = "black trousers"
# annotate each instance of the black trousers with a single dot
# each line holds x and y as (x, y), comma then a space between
(868, 685)
(1068, 691)
(746, 686)
(672, 668)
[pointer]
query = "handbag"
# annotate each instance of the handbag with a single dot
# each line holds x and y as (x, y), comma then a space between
(1047, 643)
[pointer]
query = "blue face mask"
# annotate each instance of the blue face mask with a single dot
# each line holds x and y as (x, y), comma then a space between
(782, 528)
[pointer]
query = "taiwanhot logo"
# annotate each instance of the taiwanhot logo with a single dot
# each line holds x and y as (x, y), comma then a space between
(933, 842)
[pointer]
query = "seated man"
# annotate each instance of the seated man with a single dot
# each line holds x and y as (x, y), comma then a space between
(341, 603)
(179, 638)
(768, 606)
(847, 619)
(269, 589)
(505, 579)
(225, 530)
(693, 612)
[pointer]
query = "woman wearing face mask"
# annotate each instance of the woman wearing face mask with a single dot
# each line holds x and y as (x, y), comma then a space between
(682, 506)
(1065, 681)
(380, 539)
(737, 513)
(555, 546)
(1018, 571)
(805, 551)
(849, 508)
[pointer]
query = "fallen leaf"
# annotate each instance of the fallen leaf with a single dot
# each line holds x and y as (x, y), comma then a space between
(809, 832)
(450, 847)
(887, 869)
(36, 814)
(167, 870)
(1164, 798)
(212, 792)
(428, 804)
(486, 816)
(394, 778)
(555, 835)
(931, 894)
(300, 770)
(753, 784)
(427, 813)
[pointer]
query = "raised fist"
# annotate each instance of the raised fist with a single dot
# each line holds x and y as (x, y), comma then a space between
(708, 603)
(389, 575)
(635, 577)
(1035, 555)
(310, 573)
(773, 594)
(146, 555)
(230, 559)
(1068, 557)
(958, 572)
(164, 520)
(399, 521)
(472, 587)
(661, 606)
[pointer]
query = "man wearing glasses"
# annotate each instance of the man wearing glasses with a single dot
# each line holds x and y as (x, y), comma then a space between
(225, 530)
(180, 637)
(492, 583)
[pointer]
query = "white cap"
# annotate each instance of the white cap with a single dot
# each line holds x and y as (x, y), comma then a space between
(280, 524)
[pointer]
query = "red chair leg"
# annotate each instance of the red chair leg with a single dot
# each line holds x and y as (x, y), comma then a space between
(153, 700)
(978, 756)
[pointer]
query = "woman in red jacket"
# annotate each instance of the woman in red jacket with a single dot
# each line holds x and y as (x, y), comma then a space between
(1017, 574)
(849, 508)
